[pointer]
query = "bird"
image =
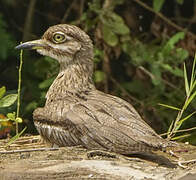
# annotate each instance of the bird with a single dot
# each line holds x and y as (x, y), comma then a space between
(75, 112)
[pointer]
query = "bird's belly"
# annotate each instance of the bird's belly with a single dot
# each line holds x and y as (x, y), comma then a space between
(56, 135)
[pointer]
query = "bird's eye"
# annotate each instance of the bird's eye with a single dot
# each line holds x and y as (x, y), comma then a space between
(59, 37)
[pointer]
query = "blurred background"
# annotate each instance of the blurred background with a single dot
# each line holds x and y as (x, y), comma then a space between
(140, 47)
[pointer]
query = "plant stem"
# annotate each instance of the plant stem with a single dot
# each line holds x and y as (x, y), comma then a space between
(19, 88)
(181, 130)
(179, 116)
(189, 88)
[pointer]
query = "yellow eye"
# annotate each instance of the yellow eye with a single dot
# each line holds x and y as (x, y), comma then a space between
(59, 37)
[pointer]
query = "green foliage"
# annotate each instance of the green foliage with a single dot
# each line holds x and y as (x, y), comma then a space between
(99, 76)
(113, 25)
(190, 95)
(147, 70)
(7, 100)
(160, 58)
(157, 5)
(7, 42)
(15, 137)
(180, 1)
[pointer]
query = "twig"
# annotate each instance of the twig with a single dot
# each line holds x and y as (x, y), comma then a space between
(42, 13)
(188, 161)
(180, 163)
(153, 77)
(28, 150)
(29, 20)
(68, 11)
(81, 8)
(125, 91)
(165, 18)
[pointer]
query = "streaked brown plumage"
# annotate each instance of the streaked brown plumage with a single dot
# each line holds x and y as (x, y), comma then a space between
(75, 112)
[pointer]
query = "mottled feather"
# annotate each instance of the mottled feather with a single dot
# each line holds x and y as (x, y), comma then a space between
(76, 113)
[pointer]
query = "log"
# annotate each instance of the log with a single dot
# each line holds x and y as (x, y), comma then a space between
(29, 158)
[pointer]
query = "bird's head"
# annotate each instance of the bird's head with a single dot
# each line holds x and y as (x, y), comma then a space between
(66, 43)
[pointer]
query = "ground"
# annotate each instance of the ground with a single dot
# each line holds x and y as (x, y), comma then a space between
(29, 158)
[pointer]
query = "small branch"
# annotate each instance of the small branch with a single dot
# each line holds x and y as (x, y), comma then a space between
(153, 77)
(29, 20)
(81, 8)
(125, 91)
(28, 150)
(63, 20)
(165, 18)
(180, 163)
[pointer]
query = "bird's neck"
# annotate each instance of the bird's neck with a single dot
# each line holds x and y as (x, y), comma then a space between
(73, 78)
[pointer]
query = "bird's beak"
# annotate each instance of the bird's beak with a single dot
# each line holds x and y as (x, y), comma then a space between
(36, 44)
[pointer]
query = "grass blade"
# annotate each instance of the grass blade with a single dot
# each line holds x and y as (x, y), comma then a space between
(180, 137)
(193, 72)
(15, 137)
(170, 129)
(182, 120)
(186, 81)
(171, 107)
(189, 100)
(187, 117)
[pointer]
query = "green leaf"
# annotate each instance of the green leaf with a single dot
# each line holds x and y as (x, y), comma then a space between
(168, 106)
(8, 100)
(31, 106)
(186, 83)
(189, 100)
(99, 76)
(121, 29)
(2, 91)
(193, 74)
(184, 119)
(11, 116)
(176, 71)
(18, 120)
(157, 5)
(98, 55)
(2, 120)
(181, 136)
(115, 23)
(180, 1)
(95, 6)
(171, 43)
(193, 86)
(181, 54)
(156, 71)
(109, 37)
(46, 83)
(15, 137)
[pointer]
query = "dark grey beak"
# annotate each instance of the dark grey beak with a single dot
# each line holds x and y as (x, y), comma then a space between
(36, 44)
